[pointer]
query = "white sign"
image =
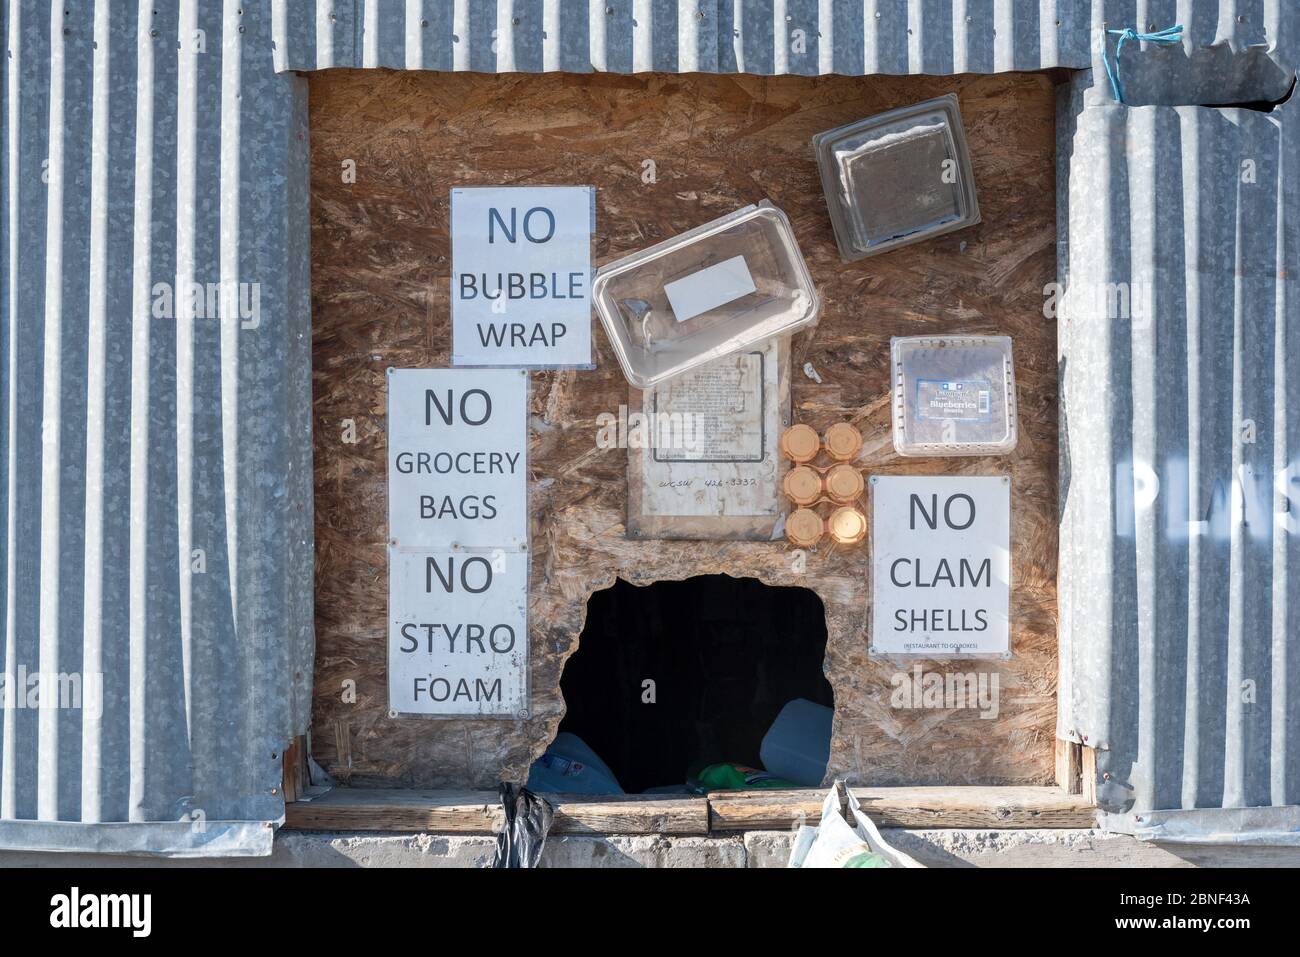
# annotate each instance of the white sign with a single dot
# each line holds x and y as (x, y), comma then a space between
(521, 276)
(702, 449)
(941, 572)
(721, 418)
(457, 458)
(457, 632)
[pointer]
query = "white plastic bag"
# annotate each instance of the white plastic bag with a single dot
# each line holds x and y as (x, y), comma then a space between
(834, 843)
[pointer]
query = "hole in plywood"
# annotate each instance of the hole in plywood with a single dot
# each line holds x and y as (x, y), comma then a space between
(672, 677)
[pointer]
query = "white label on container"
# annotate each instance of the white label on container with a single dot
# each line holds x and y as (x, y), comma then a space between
(709, 288)
(457, 632)
(952, 399)
(457, 462)
(520, 270)
(941, 568)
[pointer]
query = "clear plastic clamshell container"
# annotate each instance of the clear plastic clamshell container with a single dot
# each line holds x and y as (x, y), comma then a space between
(954, 395)
(707, 293)
(897, 178)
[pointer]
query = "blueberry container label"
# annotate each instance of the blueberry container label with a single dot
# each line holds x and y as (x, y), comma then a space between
(966, 400)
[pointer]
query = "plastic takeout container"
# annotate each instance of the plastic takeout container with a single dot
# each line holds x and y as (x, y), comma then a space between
(797, 746)
(897, 178)
(570, 766)
(710, 292)
(954, 395)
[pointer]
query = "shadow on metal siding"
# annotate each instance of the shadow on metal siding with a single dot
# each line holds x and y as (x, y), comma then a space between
(1229, 47)
(1180, 432)
(157, 467)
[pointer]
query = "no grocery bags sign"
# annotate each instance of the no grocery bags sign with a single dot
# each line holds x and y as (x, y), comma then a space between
(941, 571)
(458, 542)
(521, 270)
(457, 444)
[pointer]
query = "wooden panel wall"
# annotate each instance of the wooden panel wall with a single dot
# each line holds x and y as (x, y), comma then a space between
(380, 277)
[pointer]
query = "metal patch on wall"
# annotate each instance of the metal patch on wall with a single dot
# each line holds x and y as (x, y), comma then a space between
(702, 454)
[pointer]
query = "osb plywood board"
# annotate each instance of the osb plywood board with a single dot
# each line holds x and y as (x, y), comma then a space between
(380, 275)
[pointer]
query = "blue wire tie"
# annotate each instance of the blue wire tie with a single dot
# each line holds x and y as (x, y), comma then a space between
(1172, 34)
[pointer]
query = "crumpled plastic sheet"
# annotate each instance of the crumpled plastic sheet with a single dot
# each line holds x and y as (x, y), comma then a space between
(527, 820)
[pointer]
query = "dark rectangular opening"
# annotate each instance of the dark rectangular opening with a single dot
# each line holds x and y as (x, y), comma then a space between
(678, 676)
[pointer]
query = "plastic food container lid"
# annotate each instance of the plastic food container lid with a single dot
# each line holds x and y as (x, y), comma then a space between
(802, 485)
(844, 483)
(843, 441)
(712, 291)
(803, 527)
(800, 443)
(847, 525)
(954, 395)
(897, 178)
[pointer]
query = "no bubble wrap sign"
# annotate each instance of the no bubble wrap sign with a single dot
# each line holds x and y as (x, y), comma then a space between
(521, 276)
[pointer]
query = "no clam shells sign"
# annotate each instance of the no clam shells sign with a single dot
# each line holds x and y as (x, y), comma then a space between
(941, 568)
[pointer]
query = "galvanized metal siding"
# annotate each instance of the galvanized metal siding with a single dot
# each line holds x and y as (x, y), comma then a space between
(142, 146)
(1180, 432)
(632, 36)
(808, 37)
(127, 159)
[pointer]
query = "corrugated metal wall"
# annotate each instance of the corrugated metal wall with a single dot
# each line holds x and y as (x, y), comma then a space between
(632, 36)
(156, 445)
(1180, 444)
(156, 456)
(806, 37)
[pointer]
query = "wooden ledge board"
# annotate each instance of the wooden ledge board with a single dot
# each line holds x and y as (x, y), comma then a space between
(479, 812)
(919, 807)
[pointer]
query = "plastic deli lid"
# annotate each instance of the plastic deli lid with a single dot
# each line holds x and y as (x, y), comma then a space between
(802, 485)
(803, 527)
(954, 395)
(800, 443)
(897, 177)
(844, 483)
(724, 287)
(848, 526)
(843, 441)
